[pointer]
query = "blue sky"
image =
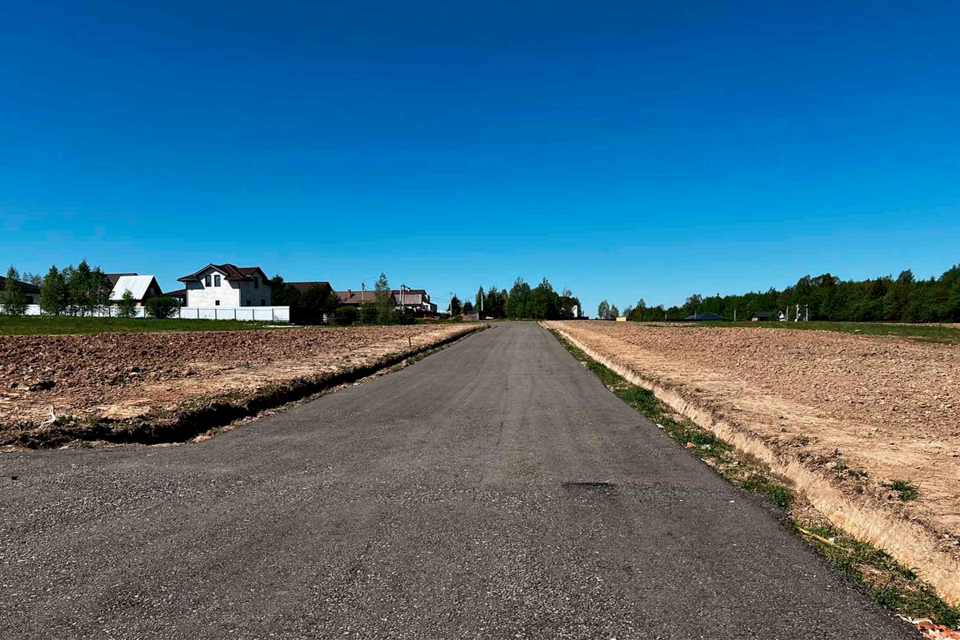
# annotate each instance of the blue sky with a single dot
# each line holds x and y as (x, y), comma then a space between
(620, 149)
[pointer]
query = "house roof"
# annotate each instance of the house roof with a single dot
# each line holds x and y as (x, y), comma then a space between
(136, 285)
(303, 287)
(177, 293)
(231, 271)
(350, 297)
(709, 315)
(25, 286)
(765, 314)
(113, 277)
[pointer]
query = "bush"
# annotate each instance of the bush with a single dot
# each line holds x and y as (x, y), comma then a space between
(162, 307)
(369, 313)
(346, 315)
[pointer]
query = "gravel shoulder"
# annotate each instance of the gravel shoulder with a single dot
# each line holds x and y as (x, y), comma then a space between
(857, 412)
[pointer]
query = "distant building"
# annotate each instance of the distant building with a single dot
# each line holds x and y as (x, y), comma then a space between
(351, 298)
(31, 291)
(416, 300)
(767, 316)
(706, 317)
(227, 285)
(303, 287)
(142, 288)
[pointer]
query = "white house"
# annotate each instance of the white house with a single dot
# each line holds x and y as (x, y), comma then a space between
(227, 285)
(141, 287)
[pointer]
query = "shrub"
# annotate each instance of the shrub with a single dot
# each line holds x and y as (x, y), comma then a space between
(161, 307)
(346, 315)
(368, 313)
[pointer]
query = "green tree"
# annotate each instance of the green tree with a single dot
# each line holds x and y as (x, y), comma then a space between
(100, 290)
(280, 292)
(517, 303)
(384, 301)
(614, 312)
(455, 308)
(128, 306)
(544, 303)
(53, 293)
(468, 307)
(12, 298)
(603, 310)
(78, 289)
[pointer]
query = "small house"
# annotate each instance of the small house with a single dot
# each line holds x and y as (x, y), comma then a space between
(767, 316)
(708, 316)
(142, 288)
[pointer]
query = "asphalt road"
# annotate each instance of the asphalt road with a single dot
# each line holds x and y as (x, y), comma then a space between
(441, 501)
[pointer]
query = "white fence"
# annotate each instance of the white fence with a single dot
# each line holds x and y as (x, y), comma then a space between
(262, 314)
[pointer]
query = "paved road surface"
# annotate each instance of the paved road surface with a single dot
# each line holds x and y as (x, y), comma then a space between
(436, 502)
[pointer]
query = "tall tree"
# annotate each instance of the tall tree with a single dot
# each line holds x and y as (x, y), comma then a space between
(455, 308)
(383, 300)
(603, 310)
(12, 299)
(53, 293)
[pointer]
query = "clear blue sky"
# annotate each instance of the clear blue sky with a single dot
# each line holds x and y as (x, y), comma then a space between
(621, 149)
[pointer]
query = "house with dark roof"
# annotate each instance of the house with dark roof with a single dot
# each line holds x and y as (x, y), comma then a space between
(767, 316)
(227, 285)
(303, 287)
(416, 300)
(351, 298)
(31, 291)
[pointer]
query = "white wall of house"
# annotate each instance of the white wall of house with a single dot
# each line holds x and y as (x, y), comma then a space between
(258, 297)
(226, 294)
(229, 293)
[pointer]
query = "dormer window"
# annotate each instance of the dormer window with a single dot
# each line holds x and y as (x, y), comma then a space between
(206, 280)
(216, 280)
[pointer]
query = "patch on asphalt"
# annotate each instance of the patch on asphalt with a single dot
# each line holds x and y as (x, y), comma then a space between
(605, 488)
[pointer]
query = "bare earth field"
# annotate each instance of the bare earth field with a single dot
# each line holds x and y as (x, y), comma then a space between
(833, 404)
(124, 376)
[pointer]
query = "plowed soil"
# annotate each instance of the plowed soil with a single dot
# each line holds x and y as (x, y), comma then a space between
(127, 375)
(886, 406)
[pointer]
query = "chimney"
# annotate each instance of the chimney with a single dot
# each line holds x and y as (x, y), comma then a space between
(349, 294)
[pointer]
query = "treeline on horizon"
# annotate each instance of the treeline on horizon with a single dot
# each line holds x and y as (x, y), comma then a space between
(884, 299)
(520, 301)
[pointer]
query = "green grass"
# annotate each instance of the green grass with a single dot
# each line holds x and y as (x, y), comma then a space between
(61, 325)
(922, 332)
(906, 490)
(893, 585)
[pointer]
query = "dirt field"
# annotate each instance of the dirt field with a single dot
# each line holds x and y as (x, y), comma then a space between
(123, 376)
(839, 404)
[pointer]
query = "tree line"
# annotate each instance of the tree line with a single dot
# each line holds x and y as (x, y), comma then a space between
(827, 297)
(75, 291)
(541, 302)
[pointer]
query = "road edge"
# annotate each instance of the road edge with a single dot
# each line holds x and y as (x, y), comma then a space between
(909, 543)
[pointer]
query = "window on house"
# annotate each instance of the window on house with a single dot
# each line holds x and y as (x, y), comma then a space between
(263, 302)
(248, 303)
(256, 282)
(216, 281)
(206, 280)
(217, 303)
